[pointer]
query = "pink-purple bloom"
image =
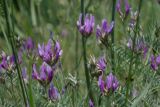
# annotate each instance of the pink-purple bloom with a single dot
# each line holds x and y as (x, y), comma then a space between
(53, 93)
(103, 31)
(87, 27)
(7, 62)
(91, 104)
(111, 82)
(101, 83)
(101, 64)
(110, 85)
(29, 45)
(155, 62)
(140, 47)
(48, 53)
(119, 8)
(45, 74)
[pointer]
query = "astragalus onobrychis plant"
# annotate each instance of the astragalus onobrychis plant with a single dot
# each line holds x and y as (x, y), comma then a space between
(84, 53)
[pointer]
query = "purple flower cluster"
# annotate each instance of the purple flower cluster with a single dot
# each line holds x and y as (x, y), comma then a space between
(53, 93)
(28, 48)
(7, 62)
(29, 45)
(101, 64)
(140, 47)
(122, 14)
(87, 27)
(103, 31)
(109, 85)
(155, 62)
(45, 74)
(49, 54)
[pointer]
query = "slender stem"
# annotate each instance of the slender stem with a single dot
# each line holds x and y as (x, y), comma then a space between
(86, 68)
(133, 47)
(113, 19)
(11, 40)
(73, 98)
(31, 98)
(77, 56)
(88, 5)
(77, 64)
(100, 99)
(85, 55)
(82, 11)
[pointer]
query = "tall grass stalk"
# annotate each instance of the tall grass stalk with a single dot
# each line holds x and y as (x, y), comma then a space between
(84, 40)
(11, 40)
(112, 34)
(128, 82)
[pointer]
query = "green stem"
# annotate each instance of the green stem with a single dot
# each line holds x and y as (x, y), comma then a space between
(77, 56)
(85, 55)
(73, 98)
(100, 100)
(133, 47)
(88, 5)
(31, 98)
(86, 68)
(11, 40)
(112, 39)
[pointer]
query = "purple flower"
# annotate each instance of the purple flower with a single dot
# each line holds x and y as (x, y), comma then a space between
(110, 85)
(101, 84)
(91, 104)
(155, 62)
(87, 28)
(58, 51)
(145, 50)
(111, 82)
(7, 62)
(127, 7)
(28, 48)
(118, 7)
(0, 67)
(101, 64)
(29, 45)
(53, 93)
(158, 59)
(105, 29)
(123, 15)
(45, 75)
(140, 47)
(48, 53)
